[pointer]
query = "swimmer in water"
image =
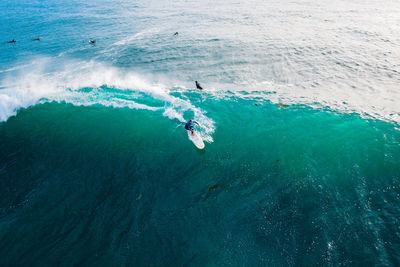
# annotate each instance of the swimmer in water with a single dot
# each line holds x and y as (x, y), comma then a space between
(198, 85)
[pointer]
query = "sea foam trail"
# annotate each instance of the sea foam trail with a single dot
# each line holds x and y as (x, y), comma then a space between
(47, 81)
(348, 65)
(57, 79)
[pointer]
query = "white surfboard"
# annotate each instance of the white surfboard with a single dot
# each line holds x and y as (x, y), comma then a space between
(196, 139)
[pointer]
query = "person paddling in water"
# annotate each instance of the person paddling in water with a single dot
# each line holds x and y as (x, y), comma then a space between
(190, 125)
(198, 85)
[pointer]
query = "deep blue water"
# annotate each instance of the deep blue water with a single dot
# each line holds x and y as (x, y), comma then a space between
(299, 115)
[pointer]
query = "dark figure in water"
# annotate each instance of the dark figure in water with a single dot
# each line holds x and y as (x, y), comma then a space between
(190, 125)
(176, 33)
(38, 39)
(12, 41)
(92, 41)
(198, 85)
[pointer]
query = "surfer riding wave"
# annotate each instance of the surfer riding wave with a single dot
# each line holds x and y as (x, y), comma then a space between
(190, 125)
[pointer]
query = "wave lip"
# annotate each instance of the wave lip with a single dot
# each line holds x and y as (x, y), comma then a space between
(51, 80)
(58, 79)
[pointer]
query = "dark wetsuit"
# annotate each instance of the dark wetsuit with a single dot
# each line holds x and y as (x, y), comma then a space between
(198, 85)
(189, 126)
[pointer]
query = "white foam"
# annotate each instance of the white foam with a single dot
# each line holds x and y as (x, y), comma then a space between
(56, 80)
(135, 36)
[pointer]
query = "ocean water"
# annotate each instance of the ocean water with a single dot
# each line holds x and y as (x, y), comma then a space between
(300, 115)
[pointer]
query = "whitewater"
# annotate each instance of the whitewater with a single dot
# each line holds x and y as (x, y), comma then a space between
(326, 54)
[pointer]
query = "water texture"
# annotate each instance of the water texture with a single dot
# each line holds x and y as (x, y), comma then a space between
(300, 117)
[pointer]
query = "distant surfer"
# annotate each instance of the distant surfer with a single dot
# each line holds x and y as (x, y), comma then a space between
(176, 33)
(198, 85)
(38, 39)
(92, 41)
(190, 125)
(12, 41)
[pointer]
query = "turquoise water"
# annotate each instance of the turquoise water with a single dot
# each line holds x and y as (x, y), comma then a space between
(96, 168)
